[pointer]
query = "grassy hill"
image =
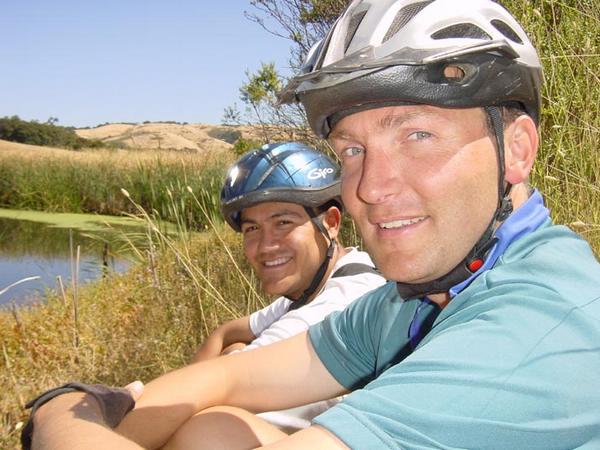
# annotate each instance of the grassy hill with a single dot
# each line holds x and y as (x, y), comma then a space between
(173, 136)
(177, 136)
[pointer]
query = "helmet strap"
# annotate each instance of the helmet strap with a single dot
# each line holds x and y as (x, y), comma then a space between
(310, 290)
(476, 257)
(505, 206)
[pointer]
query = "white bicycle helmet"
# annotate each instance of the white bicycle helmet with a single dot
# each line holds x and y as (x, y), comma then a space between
(447, 53)
(397, 51)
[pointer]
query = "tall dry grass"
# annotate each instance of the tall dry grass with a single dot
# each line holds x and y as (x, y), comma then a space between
(567, 170)
(133, 326)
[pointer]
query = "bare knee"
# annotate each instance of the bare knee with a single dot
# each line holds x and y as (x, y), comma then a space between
(223, 427)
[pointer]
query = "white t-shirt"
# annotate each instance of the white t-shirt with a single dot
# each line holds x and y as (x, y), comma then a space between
(274, 323)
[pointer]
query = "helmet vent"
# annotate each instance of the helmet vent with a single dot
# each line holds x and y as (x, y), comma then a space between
(403, 16)
(507, 31)
(461, 31)
(454, 73)
(352, 27)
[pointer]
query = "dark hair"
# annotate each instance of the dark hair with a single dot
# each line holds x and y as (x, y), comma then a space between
(510, 113)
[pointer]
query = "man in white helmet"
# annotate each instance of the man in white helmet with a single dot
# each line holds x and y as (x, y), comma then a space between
(432, 107)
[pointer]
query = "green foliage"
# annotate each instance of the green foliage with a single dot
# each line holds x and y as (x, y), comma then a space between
(48, 134)
(232, 115)
(261, 86)
(92, 182)
(303, 22)
(567, 168)
(323, 12)
(259, 94)
(243, 145)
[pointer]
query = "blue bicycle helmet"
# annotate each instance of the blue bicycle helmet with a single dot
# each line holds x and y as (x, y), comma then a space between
(283, 172)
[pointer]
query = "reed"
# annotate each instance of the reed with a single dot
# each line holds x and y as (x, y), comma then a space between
(57, 180)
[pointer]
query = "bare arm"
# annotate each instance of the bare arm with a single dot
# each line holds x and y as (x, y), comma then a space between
(74, 421)
(232, 332)
(264, 379)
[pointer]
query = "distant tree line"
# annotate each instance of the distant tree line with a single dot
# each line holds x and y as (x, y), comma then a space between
(48, 134)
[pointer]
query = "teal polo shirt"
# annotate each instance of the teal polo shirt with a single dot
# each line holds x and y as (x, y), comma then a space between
(511, 362)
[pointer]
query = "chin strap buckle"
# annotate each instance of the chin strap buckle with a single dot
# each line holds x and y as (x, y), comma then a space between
(475, 265)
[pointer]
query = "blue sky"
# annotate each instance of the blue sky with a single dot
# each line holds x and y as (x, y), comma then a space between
(88, 62)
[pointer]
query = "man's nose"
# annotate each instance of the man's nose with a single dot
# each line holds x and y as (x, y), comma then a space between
(267, 241)
(380, 177)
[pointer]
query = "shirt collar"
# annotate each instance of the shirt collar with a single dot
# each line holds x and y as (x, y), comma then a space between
(526, 219)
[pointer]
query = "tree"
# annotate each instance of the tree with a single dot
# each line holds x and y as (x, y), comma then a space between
(303, 22)
(260, 93)
(35, 133)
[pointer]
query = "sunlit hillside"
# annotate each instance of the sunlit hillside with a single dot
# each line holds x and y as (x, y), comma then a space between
(170, 136)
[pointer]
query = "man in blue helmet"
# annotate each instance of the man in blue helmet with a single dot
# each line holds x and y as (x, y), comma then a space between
(432, 107)
(285, 201)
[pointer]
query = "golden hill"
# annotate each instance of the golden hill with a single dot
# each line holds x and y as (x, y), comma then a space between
(17, 147)
(172, 136)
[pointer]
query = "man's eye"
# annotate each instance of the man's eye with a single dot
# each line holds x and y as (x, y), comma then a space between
(248, 229)
(351, 151)
(419, 135)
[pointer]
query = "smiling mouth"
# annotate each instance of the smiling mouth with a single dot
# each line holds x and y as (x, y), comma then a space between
(276, 262)
(395, 224)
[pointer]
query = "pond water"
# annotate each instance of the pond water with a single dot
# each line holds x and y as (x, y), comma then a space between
(43, 249)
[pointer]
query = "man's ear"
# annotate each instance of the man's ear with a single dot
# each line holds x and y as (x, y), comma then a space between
(332, 220)
(520, 148)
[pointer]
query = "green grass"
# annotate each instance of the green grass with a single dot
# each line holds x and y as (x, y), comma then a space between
(56, 180)
(149, 320)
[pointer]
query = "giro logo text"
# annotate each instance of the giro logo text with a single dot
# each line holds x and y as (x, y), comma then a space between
(319, 172)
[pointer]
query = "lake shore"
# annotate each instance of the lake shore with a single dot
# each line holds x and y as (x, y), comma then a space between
(149, 320)
(135, 325)
(50, 249)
